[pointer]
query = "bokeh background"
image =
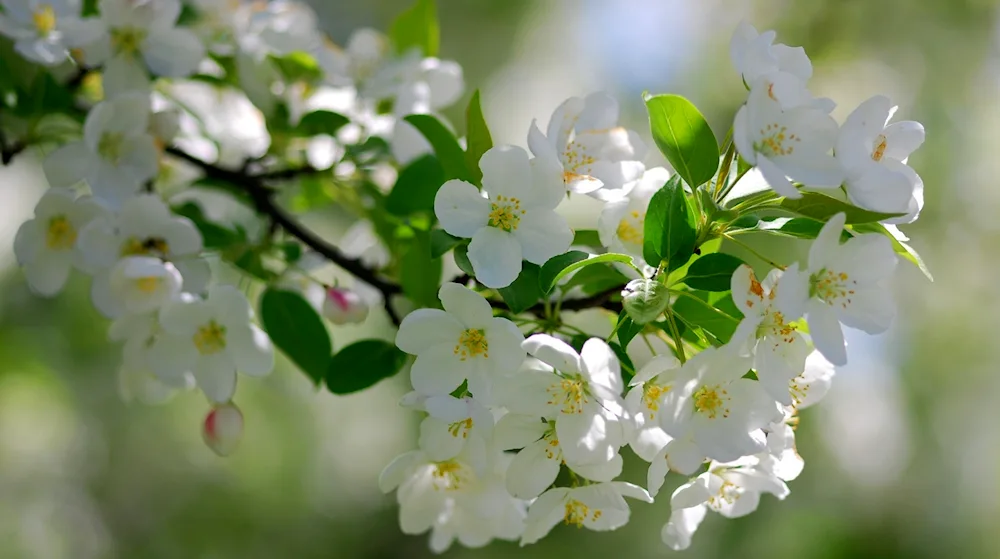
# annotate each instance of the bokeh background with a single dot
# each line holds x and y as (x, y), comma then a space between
(902, 458)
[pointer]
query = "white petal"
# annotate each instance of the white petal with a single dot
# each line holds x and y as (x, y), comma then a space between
(585, 437)
(600, 111)
(28, 241)
(47, 272)
(518, 431)
(599, 471)
(444, 78)
(826, 332)
(439, 370)
(601, 365)
(866, 259)
(437, 441)
(506, 353)
(902, 139)
(777, 178)
(881, 189)
(469, 307)
(397, 471)
(170, 357)
(69, 164)
(533, 470)
(683, 523)
(870, 310)
(123, 73)
(141, 158)
(557, 353)
(495, 256)
(173, 52)
(825, 247)
(216, 376)
(544, 514)
(251, 350)
(425, 328)
(542, 235)
(683, 456)
(230, 304)
(506, 172)
(460, 208)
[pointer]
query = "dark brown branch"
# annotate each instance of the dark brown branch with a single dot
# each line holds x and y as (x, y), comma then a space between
(262, 197)
(602, 299)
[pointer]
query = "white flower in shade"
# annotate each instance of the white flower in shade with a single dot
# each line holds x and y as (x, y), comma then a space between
(213, 338)
(600, 507)
(222, 429)
(648, 389)
(279, 28)
(145, 342)
(730, 489)
(812, 385)
(795, 142)
(46, 246)
(454, 425)
(416, 85)
(463, 342)
(873, 154)
(137, 284)
(844, 283)
(361, 242)
(44, 31)
(622, 221)
(117, 154)
(537, 464)
(515, 222)
(781, 457)
(452, 501)
(779, 350)
(755, 55)
(598, 157)
(580, 392)
(364, 52)
(713, 405)
(140, 37)
(344, 306)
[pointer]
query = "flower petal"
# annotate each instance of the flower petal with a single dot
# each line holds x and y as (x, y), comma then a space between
(542, 234)
(216, 376)
(533, 470)
(506, 172)
(826, 332)
(173, 52)
(495, 256)
(251, 350)
(557, 353)
(439, 370)
(469, 307)
(425, 328)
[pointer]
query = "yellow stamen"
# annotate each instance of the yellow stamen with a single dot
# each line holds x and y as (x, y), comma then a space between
(472, 343)
(61, 235)
(210, 338)
(505, 213)
(711, 401)
(148, 284)
(44, 18)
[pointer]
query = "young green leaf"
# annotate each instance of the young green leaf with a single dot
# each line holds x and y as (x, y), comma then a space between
(627, 328)
(442, 242)
(628, 369)
(416, 186)
(669, 231)
(684, 138)
(321, 122)
(297, 330)
(587, 237)
(417, 27)
(362, 364)
(525, 291)
(477, 138)
(823, 207)
(596, 279)
(695, 311)
(712, 272)
(445, 145)
(298, 66)
(560, 266)
(644, 300)
(461, 255)
(419, 272)
(214, 236)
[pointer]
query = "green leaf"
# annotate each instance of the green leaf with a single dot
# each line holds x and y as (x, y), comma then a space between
(445, 145)
(587, 237)
(684, 138)
(362, 364)
(298, 66)
(417, 27)
(796, 228)
(525, 291)
(669, 232)
(442, 242)
(477, 138)
(696, 311)
(823, 207)
(251, 261)
(628, 369)
(901, 247)
(416, 186)
(321, 122)
(627, 328)
(559, 266)
(712, 272)
(461, 255)
(297, 330)
(292, 251)
(645, 300)
(419, 272)
(596, 279)
(214, 236)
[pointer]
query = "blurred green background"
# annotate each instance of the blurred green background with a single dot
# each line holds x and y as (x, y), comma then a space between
(902, 459)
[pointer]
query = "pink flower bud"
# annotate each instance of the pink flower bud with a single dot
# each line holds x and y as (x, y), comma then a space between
(223, 429)
(342, 306)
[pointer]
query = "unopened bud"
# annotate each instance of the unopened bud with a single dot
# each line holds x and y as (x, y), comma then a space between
(343, 306)
(644, 300)
(223, 429)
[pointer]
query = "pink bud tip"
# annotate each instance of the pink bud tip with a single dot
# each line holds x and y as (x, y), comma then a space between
(223, 429)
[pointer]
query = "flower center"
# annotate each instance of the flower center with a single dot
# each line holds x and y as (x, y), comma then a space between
(773, 139)
(461, 428)
(832, 287)
(127, 40)
(711, 401)
(110, 146)
(630, 228)
(577, 513)
(155, 246)
(148, 285)
(728, 493)
(774, 325)
(449, 475)
(210, 338)
(577, 159)
(570, 393)
(44, 18)
(505, 213)
(472, 343)
(61, 235)
(651, 394)
(879, 150)
(552, 451)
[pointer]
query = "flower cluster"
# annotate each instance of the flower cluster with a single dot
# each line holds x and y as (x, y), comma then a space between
(217, 124)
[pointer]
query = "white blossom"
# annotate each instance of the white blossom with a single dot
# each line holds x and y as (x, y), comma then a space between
(755, 55)
(622, 221)
(600, 507)
(43, 31)
(515, 221)
(137, 284)
(598, 157)
(454, 425)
